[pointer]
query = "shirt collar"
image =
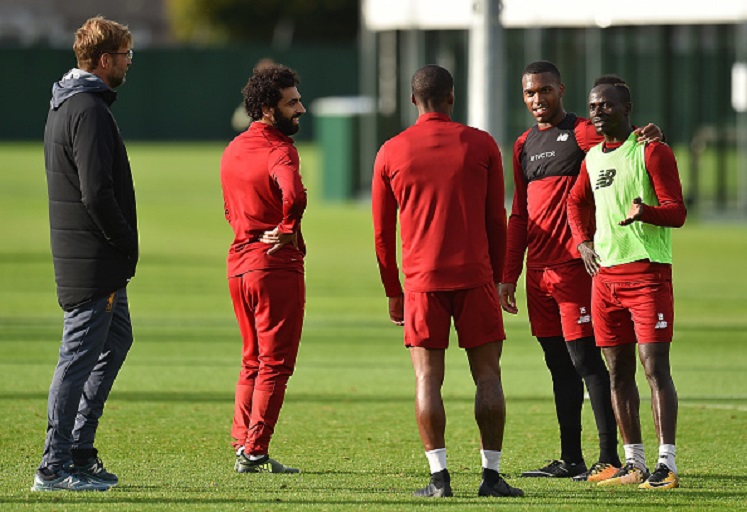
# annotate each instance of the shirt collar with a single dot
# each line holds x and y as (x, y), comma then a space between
(433, 116)
(269, 131)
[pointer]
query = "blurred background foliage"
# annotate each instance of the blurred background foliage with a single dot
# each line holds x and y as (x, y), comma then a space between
(282, 22)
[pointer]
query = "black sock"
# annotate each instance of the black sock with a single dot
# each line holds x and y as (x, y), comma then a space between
(608, 449)
(590, 365)
(568, 391)
(570, 443)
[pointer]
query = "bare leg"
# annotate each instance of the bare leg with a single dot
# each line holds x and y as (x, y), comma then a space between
(664, 405)
(429, 407)
(625, 398)
(490, 404)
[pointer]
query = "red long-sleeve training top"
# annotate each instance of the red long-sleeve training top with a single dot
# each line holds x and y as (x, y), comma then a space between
(262, 190)
(545, 166)
(446, 180)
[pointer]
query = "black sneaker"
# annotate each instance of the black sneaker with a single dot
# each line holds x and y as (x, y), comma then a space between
(661, 478)
(439, 486)
(557, 469)
(65, 479)
(94, 471)
(493, 484)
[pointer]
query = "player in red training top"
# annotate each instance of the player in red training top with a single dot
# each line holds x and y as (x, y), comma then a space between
(636, 198)
(546, 161)
(264, 201)
(446, 180)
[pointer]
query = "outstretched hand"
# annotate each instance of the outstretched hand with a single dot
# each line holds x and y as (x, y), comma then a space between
(635, 212)
(589, 257)
(278, 240)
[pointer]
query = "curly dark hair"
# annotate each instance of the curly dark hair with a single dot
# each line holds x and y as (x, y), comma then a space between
(264, 86)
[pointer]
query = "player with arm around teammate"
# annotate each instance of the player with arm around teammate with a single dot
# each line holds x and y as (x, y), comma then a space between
(546, 162)
(635, 197)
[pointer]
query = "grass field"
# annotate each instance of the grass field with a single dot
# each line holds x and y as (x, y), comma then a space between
(348, 419)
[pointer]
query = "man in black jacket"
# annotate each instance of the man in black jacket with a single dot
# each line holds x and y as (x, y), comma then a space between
(94, 241)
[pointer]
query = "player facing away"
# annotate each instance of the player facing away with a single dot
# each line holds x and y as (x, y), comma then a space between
(94, 237)
(546, 163)
(446, 181)
(264, 202)
(635, 196)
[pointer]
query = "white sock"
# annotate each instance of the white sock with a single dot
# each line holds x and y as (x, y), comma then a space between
(491, 459)
(256, 457)
(666, 456)
(635, 455)
(436, 459)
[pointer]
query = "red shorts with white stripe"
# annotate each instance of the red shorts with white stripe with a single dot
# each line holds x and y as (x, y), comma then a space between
(635, 306)
(559, 301)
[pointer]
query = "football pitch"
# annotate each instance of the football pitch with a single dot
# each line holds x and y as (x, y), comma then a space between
(348, 420)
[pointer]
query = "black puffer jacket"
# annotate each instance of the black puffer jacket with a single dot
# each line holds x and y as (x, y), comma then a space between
(92, 213)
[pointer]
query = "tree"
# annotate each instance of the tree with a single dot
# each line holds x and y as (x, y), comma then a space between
(278, 21)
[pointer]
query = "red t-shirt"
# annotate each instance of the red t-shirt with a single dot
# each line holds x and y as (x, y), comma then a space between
(446, 180)
(262, 190)
(546, 164)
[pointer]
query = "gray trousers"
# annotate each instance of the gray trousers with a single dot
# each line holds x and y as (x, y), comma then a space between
(95, 340)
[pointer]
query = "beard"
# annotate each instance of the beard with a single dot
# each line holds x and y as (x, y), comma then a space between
(116, 79)
(284, 124)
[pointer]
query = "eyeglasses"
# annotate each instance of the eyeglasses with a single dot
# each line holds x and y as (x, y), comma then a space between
(128, 53)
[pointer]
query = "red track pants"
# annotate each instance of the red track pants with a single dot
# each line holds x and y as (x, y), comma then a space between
(269, 307)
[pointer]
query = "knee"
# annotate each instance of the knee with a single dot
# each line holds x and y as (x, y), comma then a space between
(488, 381)
(621, 379)
(587, 357)
(659, 378)
(277, 371)
(428, 381)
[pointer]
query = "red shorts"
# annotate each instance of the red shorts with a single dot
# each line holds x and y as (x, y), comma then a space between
(476, 312)
(559, 301)
(638, 307)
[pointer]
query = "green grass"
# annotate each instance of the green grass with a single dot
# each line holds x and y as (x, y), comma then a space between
(348, 419)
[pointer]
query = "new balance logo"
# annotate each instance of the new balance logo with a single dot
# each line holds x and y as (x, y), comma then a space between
(584, 317)
(562, 137)
(605, 178)
(661, 324)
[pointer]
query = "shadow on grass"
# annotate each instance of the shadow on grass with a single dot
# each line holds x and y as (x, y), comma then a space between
(228, 396)
(383, 498)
